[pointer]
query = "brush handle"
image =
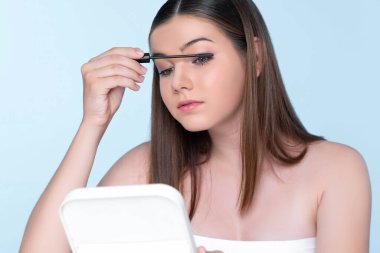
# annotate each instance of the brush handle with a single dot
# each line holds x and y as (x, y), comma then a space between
(144, 59)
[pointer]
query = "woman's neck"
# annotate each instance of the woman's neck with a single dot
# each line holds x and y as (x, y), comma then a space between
(226, 148)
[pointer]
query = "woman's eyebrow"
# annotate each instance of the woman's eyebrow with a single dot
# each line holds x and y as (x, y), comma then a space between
(192, 42)
(186, 45)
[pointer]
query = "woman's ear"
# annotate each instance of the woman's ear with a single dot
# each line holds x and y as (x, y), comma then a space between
(259, 56)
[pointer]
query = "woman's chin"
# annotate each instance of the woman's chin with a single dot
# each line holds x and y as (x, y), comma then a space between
(194, 127)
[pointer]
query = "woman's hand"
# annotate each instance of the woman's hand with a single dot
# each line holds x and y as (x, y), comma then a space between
(203, 250)
(105, 78)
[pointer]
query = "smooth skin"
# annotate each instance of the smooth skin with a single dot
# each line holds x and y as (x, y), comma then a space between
(327, 195)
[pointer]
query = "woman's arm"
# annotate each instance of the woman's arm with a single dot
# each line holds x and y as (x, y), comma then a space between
(105, 78)
(344, 211)
(44, 232)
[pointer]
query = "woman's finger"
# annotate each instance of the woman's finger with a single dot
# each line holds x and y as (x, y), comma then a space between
(118, 59)
(119, 81)
(116, 70)
(202, 249)
(129, 52)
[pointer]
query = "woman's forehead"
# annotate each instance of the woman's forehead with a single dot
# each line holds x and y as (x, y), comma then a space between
(183, 29)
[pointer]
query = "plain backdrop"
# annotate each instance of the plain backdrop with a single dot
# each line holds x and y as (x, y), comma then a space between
(327, 51)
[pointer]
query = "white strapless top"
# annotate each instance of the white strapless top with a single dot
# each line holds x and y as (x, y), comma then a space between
(306, 245)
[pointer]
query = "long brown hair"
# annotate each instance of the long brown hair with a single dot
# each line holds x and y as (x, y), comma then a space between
(270, 126)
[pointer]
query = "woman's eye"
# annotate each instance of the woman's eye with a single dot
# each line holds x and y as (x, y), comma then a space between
(199, 61)
(166, 72)
(202, 60)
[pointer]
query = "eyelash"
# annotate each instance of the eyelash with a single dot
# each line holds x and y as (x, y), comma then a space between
(199, 61)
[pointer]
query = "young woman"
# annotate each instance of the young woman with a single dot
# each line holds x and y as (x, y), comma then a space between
(225, 134)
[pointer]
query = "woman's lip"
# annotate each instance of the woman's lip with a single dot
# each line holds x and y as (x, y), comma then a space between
(187, 102)
(188, 105)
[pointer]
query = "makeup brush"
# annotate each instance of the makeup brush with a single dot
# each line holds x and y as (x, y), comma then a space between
(146, 58)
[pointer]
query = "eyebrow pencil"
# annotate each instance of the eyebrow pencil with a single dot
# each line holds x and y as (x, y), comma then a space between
(146, 58)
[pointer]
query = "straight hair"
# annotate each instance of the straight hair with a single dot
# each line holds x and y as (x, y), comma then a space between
(270, 128)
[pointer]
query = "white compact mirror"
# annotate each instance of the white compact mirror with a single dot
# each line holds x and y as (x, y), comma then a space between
(135, 218)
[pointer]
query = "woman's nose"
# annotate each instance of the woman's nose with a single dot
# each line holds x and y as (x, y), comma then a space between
(181, 79)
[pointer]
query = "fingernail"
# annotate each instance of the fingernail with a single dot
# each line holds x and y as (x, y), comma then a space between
(141, 78)
(143, 69)
(139, 52)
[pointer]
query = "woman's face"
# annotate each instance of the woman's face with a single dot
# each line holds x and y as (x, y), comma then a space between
(200, 93)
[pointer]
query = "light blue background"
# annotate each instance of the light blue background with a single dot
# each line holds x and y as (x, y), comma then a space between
(327, 50)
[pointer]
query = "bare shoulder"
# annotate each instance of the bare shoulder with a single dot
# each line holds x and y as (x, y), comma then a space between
(344, 206)
(131, 168)
(337, 166)
(336, 160)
